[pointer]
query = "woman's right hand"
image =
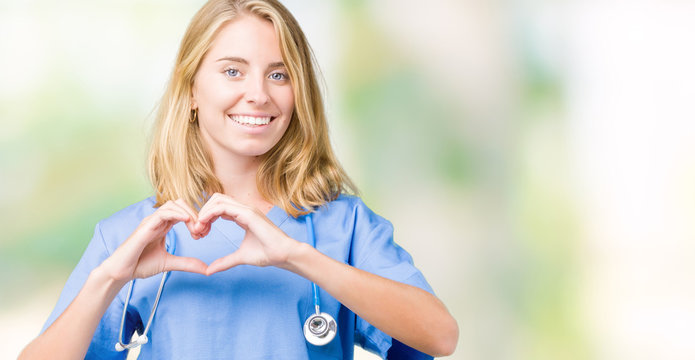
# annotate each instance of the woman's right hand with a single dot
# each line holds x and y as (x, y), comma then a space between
(141, 255)
(144, 253)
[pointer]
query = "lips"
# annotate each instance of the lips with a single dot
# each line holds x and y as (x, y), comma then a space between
(251, 120)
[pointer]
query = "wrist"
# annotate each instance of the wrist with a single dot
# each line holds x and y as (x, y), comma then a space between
(297, 256)
(105, 274)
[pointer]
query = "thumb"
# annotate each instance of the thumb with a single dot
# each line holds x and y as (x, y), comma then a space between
(188, 264)
(224, 263)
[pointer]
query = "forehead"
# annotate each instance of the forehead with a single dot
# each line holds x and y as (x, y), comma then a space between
(247, 36)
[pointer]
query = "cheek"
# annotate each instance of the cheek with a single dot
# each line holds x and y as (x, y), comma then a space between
(285, 100)
(211, 92)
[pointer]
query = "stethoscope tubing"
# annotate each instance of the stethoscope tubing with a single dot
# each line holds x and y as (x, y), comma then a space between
(120, 346)
(316, 339)
(312, 239)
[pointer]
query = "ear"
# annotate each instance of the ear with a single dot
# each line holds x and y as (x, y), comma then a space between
(194, 103)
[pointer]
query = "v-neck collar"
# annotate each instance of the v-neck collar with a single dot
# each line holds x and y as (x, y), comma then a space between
(234, 233)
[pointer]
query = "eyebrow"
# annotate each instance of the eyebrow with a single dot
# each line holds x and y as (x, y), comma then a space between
(244, 61)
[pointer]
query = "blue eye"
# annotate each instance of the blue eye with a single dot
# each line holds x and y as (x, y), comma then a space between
(232, 72)
(278, 76)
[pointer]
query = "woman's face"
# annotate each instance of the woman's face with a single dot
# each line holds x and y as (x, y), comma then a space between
(242, 91)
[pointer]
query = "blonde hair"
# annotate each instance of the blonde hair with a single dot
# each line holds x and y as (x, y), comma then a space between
(298, 174)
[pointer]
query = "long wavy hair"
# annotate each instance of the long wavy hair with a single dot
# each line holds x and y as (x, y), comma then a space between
(298, 174)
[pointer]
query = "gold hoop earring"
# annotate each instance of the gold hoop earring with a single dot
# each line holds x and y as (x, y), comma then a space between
(194, 116)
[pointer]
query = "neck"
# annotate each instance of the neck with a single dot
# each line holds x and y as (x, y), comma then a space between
(238, 178)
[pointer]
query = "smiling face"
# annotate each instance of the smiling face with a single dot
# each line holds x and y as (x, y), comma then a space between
(242, 91)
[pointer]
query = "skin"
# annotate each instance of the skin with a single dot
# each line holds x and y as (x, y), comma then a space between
(242, 75)
(404, 312)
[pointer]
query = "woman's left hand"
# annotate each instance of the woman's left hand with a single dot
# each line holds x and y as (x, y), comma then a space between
(378, 300)
(264, 244)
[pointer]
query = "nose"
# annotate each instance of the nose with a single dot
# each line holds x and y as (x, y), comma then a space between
(256, 92)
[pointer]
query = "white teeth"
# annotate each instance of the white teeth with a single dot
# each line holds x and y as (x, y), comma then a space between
(251, 120)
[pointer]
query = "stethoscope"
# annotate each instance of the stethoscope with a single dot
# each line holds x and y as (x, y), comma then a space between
(319, 329)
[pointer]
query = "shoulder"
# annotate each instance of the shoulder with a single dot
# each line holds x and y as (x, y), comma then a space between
(369, 239)
(131, 214)
(350, 216)
(351, 207)
(343, 203)
(117, 227)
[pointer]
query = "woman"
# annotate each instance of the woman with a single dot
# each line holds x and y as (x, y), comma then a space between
(241, 165)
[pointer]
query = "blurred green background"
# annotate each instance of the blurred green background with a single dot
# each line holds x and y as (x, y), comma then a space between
(535, 156)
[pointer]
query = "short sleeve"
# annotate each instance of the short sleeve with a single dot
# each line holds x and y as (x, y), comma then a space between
(106, 334)
(374, 250)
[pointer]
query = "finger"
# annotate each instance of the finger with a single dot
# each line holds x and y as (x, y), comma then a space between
(217, 200)
(172, 214)
(181, 205)
(184, 204)
(210, 214)
(197, 231)
(202, 229)
(153, 227)
(164, 218)
(206, 230)
(229, 210)
(188, 264)
(224, 263)
(210, 202)
(202, 226)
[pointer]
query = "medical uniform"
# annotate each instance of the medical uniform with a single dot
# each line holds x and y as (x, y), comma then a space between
(246, 312)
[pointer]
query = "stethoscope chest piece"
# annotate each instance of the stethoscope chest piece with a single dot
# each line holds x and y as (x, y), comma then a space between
(320, 329)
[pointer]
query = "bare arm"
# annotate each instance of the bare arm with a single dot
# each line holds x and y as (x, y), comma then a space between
(142, 255)
(80, 320)
(407, 313)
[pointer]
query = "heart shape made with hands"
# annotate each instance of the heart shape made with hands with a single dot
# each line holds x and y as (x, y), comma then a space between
(264, 244)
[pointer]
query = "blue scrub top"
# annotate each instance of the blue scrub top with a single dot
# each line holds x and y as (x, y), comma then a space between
(246, 312)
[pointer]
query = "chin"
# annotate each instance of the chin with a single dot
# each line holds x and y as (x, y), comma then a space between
(253, 151)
